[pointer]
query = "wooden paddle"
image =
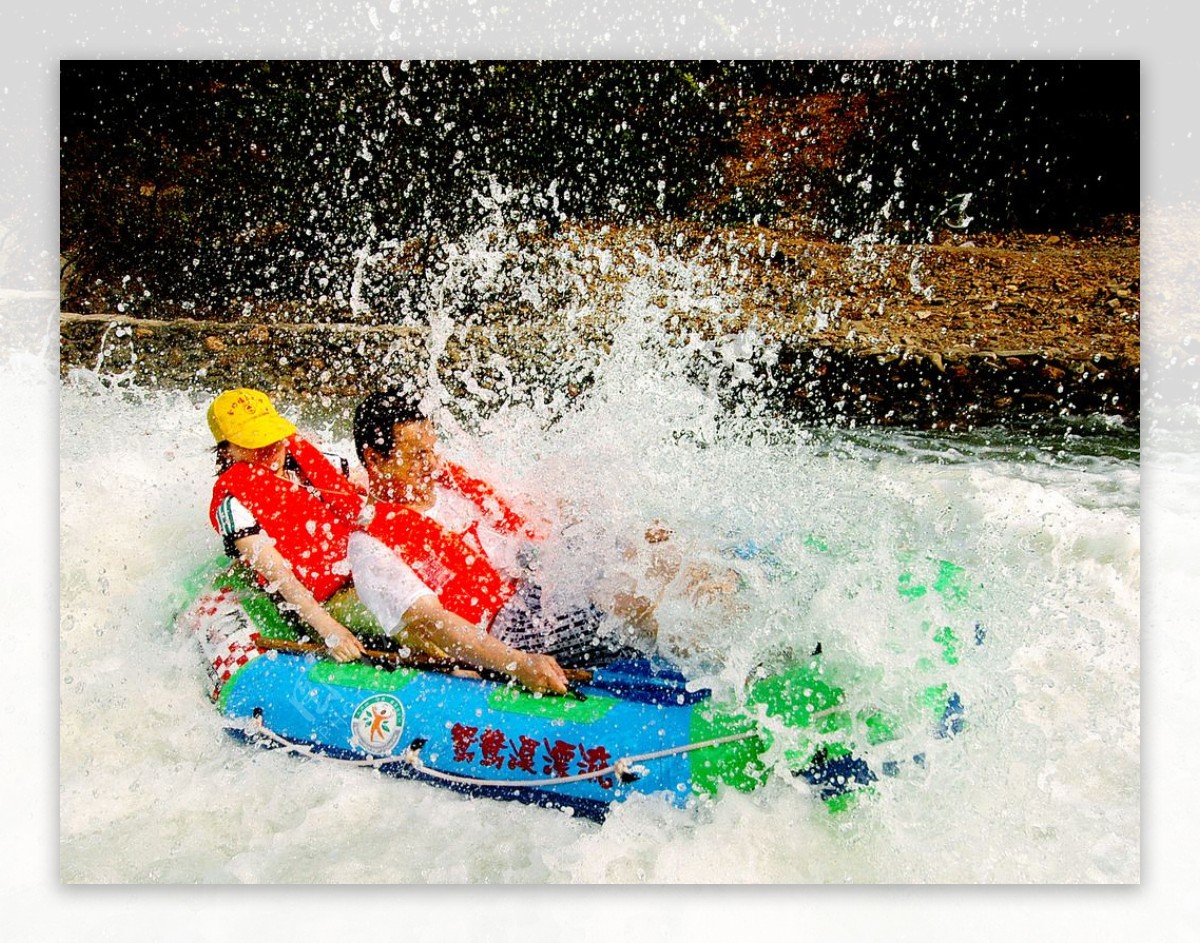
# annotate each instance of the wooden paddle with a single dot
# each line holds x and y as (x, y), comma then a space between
(397, 658)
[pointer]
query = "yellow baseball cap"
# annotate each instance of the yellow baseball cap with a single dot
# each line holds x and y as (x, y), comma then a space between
(246, 418)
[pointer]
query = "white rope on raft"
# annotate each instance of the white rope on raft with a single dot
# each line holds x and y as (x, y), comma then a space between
(623, 767)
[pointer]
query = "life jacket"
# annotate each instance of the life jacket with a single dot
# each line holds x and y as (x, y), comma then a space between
(310, 532)
(495, 510)
(453, 564)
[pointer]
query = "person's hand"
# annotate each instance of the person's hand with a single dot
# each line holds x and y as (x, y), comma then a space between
(638, 612)
(657, 533)
(664, 564)
(539, 673)
(705, 586)
(343, 645)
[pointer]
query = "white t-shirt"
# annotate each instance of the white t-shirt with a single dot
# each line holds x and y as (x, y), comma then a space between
(388, 587)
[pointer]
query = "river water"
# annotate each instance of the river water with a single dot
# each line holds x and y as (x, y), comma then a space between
(822, 529)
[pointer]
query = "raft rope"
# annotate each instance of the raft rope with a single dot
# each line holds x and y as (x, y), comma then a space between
(624, 768)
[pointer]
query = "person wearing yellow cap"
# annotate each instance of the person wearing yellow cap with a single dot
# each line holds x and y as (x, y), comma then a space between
(285, 509)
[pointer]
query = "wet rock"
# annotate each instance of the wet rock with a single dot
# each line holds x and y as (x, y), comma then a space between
(993, 332)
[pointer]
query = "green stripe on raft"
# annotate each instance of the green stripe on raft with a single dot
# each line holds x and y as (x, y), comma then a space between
(518, 701)
(803, 711)
(360, 675)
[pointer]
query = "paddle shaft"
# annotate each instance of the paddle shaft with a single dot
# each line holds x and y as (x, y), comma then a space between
(397, 659)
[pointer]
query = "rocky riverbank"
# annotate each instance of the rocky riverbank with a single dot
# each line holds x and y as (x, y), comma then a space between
(966, 331)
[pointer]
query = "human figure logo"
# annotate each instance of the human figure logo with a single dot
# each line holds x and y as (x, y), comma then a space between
(376, 725)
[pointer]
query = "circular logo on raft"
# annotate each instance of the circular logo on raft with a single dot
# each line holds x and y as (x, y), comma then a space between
(376, 724)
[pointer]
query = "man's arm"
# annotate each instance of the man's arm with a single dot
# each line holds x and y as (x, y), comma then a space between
(411, 611)
(429, 621)
(260, 553)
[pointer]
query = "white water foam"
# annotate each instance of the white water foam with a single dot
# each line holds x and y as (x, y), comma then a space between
(1043, 786)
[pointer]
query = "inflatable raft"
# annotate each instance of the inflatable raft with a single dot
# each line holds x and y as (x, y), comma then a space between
(632, 727)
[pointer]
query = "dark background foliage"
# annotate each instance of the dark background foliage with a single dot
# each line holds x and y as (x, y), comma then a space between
(219, 181)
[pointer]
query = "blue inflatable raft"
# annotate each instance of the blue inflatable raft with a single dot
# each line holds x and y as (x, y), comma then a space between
(635, 726)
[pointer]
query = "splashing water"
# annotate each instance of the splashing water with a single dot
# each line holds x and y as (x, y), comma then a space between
(1012, 562)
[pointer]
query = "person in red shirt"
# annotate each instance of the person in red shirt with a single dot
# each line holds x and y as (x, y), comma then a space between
(286, 510)
(437, 559)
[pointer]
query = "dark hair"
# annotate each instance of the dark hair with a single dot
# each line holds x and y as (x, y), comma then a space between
(223, 459)
(376, 417)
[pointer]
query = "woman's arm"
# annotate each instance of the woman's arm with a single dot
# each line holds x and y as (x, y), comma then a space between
(260, 553)
(429, 621)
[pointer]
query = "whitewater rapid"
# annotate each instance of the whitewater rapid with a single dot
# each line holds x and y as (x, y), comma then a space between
(1043, 786)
